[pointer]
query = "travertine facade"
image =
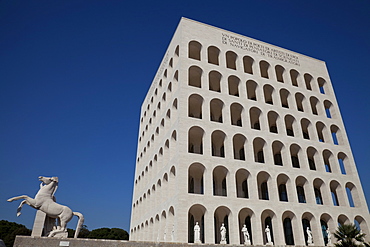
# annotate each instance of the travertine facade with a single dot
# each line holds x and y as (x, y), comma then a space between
(237, 131)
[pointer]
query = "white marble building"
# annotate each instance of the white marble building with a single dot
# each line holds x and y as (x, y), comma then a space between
(237, 131)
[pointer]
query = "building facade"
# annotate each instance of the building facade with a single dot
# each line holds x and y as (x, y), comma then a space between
(237, 131)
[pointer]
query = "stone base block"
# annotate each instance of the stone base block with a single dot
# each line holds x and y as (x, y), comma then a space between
(27, 241)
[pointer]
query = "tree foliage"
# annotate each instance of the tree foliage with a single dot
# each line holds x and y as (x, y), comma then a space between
(8, 231)
(100, 233)
(109, 233)
(348, 235)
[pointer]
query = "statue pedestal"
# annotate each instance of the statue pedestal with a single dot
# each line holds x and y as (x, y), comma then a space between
(197, 242)
(38, 224)
(44, 225)
(247, 242)
(270, 243)
(311, 244)
(223, 242)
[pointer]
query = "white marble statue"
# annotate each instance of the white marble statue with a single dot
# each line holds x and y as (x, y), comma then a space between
(245, 232)
(328, 235)
(268, 236)
(309, 236)
(45, 202)
(223, 234)
(197, 233)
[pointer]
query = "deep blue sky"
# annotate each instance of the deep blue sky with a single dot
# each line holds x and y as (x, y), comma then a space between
(73, 75)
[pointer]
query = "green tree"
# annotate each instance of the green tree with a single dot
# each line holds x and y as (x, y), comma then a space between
(348, 235)
(8, 231)
(84, 232)
(109, 233)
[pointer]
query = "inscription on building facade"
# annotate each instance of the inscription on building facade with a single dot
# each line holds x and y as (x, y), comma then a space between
(259, 48)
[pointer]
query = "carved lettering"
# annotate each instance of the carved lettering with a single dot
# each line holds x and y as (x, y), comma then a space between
(261, 49)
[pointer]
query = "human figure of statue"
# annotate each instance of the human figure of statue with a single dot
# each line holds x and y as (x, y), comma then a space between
(197, 233)
(309, 236)
(328, 234)
(268, 236)
(223, 234)
(245, 232)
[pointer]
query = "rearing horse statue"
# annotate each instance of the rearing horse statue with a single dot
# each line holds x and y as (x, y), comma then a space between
(45, 201)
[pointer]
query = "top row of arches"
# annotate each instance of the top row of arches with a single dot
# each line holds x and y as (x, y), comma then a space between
(250, 66)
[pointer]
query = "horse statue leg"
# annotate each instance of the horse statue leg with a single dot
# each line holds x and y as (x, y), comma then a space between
(20, 208)
(30, 201)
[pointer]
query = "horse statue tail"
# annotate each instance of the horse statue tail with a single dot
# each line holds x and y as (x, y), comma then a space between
(79, 224)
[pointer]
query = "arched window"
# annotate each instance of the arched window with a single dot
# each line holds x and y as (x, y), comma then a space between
(272, 118)
(195, 76)
(283, 194)
(236, 114)
(335, 133)
(245, 219)
(196, 214)
(305, 125)
(221, 216)
(241, 178)
(329, 109)
(294, 77)
(238, 146)
(327, 157)
(300, 194)
(213, 54)
(264, 191)
(279, 73)
(258, 148)
(322, 84)
(219, 181)
(320, 127)
(318, 196)
(264, 69)
(195, 178)
(308, 80)
(301, 182)
(288, 231)
(195, 106)
(289, 125)
(306, 225)
(251, 90)
(231, 58)
(299, 99)
(216, 107)
(254, 115)
(284, 95)
(334, 189)
(268, 91)
(195, 50)
(233, 83)
(218, 148)
(277, 148)
(282, 180)
(195, 140)
(311, 153)
(352, 195)
(343, 163)
(248, 64)
(313, 102)
(214, 79)
(317, 185)
(268, 224)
